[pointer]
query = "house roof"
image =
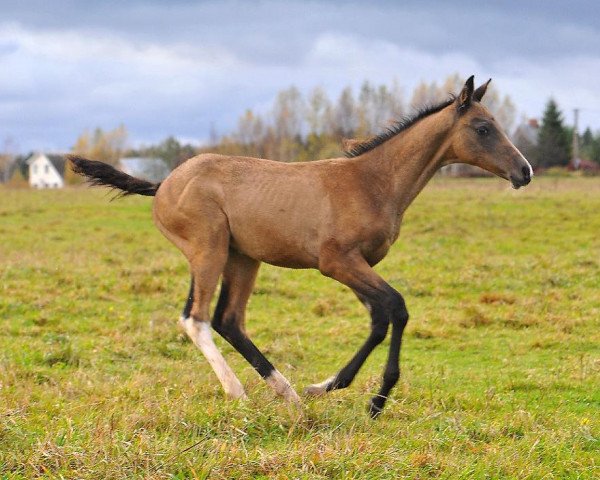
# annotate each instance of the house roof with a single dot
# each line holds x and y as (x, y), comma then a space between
(57, 160)
(528, 131)
(149, 168)
(59, 163)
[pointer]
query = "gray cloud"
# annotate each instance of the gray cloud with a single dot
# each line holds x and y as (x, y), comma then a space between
(176, 67)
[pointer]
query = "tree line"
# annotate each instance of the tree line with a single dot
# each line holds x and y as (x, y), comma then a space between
(555, 141)
(301, 127)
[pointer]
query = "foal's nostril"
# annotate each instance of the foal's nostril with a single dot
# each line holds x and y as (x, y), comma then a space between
(526, 174)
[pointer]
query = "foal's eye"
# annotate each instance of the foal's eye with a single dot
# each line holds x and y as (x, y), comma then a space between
(483, 131)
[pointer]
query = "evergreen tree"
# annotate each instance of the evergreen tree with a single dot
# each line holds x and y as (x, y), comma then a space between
(587, 138)
(553, 147)
(590, 145)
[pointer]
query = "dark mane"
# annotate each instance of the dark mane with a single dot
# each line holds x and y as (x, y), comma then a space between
(400, 126)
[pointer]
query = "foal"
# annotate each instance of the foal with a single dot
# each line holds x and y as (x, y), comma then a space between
(228, 214)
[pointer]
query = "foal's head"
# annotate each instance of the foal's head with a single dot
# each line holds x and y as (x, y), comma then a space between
(477, 139)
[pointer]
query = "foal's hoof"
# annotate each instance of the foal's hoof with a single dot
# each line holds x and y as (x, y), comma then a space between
(317, 389)
(314, 391)
(238, 396)
(376, 406)
(235, 391)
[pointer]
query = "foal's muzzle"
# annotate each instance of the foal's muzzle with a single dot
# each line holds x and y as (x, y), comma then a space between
(519, 181)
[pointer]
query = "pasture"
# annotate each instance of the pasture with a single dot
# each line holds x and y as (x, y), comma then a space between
(500, 360)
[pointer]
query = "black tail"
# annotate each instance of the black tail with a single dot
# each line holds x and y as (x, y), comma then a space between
(99, 173)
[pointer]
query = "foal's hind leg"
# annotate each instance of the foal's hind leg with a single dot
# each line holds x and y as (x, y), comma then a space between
(229, 320)
(206, 269)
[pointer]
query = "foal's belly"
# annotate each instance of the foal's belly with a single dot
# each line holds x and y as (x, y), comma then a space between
(277, 244)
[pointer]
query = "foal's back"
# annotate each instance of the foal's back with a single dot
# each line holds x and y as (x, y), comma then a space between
(275, 212)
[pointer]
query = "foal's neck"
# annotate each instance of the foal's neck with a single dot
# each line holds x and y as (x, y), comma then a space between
(411, 158)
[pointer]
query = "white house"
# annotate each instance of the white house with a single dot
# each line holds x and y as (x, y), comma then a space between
(46, 171)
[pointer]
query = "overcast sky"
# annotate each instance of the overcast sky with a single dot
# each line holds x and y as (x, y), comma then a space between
(176, 67)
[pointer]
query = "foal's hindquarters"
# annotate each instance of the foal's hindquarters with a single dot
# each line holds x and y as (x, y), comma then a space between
(188, 210)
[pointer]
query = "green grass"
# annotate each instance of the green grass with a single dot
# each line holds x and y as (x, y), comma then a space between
(500, 362)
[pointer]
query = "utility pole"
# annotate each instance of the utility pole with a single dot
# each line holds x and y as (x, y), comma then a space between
(576, 140)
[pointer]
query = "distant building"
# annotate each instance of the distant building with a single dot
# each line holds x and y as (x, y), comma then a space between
(149, 168)
(46, 170)
(525, 139)
(583, 165)
(527, 132)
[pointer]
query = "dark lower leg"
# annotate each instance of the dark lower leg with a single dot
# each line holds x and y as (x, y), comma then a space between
(391, 373)
(345, 376)
(228, 325)
(379, 328)
(385, 304)
(187, 309)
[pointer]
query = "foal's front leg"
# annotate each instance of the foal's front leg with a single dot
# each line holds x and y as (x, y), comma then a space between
(386, 306)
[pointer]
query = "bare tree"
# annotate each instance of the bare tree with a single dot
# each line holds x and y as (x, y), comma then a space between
(345, 114)
(452, 85)
(426, 94)
(502, 108)
(318, 111)
(288, 122)
(295, 129)
(250, 133)
(7, 157)
(105, 146)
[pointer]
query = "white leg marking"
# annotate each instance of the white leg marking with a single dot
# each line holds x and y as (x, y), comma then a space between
(282, 387)
(318, 388)
(201, 335)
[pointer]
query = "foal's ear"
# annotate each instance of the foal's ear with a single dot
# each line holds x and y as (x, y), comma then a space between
(480, 92)
(466, 96)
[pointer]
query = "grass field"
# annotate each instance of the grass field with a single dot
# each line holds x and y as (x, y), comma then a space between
(500, 362)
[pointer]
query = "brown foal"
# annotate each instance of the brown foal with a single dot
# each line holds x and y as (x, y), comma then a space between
(228, 214)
